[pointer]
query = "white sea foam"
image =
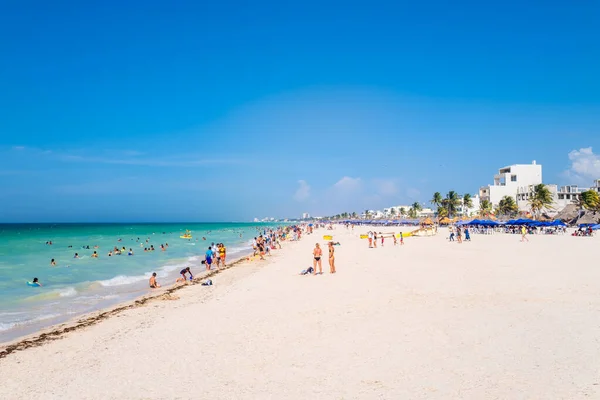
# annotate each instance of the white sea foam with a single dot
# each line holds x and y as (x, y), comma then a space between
(4, 326)
(124, 280)
(67, 292)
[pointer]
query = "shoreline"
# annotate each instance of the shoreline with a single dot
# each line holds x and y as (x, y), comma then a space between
(57, 331)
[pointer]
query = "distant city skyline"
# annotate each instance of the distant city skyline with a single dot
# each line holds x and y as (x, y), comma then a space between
(199, 113)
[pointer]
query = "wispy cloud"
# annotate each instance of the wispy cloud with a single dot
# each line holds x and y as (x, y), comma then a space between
(149, 162)
(303, 191)
(123, 157)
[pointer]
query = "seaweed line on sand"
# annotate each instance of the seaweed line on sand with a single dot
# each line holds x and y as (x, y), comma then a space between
(94, 319)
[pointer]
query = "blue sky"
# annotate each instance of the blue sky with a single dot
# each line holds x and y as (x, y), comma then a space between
(204, 111)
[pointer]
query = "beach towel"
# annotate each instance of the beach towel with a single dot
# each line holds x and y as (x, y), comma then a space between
(307, 271)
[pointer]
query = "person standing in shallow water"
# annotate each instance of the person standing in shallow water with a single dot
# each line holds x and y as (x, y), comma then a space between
(331, 258)
(317, 254)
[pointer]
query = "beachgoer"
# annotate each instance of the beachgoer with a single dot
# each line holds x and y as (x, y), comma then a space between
(459, 235)
(183, 273)
(374, 240)
(95, 255)
(222, 253)
(331, 258)
(317, 254)
(153, 283)
(208, 258)
(524, 234)
(395, 239)
(467, 235)
(52, 262)
(370, 236)
(130, 252)
(36, 282)
(381, 239)
(401, 239)
(76, 255)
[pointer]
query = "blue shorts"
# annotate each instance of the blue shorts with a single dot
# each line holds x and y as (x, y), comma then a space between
(208, 260)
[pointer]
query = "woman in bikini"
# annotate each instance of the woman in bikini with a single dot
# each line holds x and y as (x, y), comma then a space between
(331, 258)
(317, 253)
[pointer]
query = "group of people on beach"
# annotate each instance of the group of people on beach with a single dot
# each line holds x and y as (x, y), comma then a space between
(374, 237)
(317, 259)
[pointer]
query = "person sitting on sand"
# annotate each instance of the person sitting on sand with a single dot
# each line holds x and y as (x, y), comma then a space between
(183, 273)
(153, 283)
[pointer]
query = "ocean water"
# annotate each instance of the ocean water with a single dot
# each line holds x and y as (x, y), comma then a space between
(77, 286)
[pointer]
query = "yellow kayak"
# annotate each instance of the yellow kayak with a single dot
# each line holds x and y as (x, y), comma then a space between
(185, 237)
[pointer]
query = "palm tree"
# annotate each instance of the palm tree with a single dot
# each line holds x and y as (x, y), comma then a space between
(485, 207)
(467, 202)
(540, 200)
(437, 199)
(354, 215)
(367, 214)
(392, 212)
(442, 212)
(402, 211)
(507, 206)
(588, 200)
(416, 206)
(451, 202)
(412, 212)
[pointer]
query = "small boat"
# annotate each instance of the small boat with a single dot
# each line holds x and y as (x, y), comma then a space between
(186, 235)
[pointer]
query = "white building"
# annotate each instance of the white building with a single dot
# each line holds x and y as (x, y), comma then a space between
(510, 181)
(305, 215)
(468, 211)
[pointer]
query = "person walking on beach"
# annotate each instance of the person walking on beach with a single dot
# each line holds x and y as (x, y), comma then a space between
(370, 236)
(381, 239)
(524, 234)
(222, 253)
(452, 234)
(331, 258)
(459, 235)
(208, 258)
(374, 240)
(467, 235)
(317, 254)
(401, 239)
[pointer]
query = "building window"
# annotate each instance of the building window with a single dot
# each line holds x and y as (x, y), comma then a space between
(513, 178)
(568, 197)
(561, 196)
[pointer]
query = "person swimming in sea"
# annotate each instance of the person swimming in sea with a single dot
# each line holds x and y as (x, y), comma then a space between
(76, 255)
(35, 282)
(95, 255)
(130, 252)
(53, 263)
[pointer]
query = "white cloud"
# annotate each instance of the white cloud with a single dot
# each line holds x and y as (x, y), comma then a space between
(303, 191)
(585, 165)
(18, 147)
(348, 184)
(386, 187)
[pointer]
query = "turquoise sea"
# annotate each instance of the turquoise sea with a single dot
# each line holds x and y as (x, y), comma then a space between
(77, 286)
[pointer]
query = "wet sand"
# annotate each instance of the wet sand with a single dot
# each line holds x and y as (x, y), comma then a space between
(490, 319)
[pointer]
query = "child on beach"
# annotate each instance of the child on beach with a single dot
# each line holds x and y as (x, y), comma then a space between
(381, 239)
(183, 273)
(153, 283)
(401, 239)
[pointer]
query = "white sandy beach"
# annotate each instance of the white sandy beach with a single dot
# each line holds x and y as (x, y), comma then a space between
(490, 319)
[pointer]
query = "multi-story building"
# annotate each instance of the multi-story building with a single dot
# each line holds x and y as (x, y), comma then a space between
(511, 180)
(468, 211)
(305, 215)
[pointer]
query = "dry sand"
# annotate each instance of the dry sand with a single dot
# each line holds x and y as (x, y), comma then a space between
(491, 319)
